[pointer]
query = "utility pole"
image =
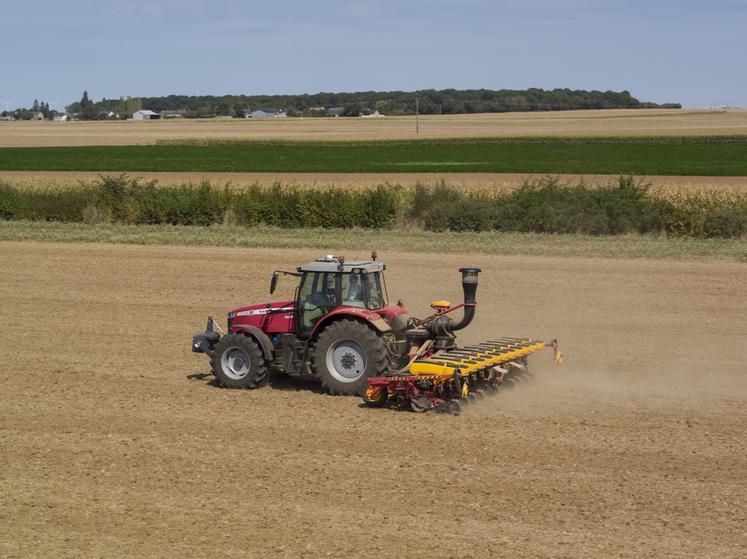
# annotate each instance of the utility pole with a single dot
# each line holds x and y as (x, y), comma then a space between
(417, 115)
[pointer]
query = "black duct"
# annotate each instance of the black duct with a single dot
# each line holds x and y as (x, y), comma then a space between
(469, 286)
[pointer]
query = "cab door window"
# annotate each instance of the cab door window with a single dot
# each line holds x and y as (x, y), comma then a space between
(317, 296)
(373, 289)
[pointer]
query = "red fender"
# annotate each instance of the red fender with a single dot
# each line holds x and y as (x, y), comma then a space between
(373, 318)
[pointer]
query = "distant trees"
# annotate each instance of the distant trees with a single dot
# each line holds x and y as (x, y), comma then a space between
(23, 114)
(224, 109)
(431, 101)
(127, 107)
(88, 109)
(354, 109)
(40, 107)
(85, 108)
(382, 107)
(37, 108)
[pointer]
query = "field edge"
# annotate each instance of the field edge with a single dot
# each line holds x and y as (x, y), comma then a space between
(364, 240)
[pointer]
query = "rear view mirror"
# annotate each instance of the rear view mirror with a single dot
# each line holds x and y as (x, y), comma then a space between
(273, 282)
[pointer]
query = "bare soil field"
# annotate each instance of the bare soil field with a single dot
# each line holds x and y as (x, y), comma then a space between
(629, 122)
(479, 181)
(113, 443)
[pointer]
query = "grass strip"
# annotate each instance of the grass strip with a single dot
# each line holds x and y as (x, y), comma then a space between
(514, 140)
(363, 240)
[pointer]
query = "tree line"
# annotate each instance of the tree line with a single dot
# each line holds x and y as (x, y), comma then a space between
(426, 101)
(83, 109)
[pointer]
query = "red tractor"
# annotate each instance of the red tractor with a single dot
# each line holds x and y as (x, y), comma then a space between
(341, 328)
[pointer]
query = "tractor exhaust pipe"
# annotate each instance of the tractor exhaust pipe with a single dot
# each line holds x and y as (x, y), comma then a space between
(469, 286)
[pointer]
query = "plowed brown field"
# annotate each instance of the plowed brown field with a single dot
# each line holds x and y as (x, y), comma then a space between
(635, 447)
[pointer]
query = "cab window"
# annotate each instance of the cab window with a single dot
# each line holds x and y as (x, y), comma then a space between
(353, 294)
(317, 296)
(373, 288)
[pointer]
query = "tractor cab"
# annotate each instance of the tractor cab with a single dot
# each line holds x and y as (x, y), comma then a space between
(330, 284)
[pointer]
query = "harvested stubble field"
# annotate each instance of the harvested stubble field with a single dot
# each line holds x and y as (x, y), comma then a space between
(42, 180)
(622, 122)
(635, 447)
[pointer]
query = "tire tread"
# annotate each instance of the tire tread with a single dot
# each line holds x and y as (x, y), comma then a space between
(376, 355)
(258, 375)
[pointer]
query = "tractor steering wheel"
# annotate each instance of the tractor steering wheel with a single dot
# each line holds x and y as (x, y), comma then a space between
(321, 299)
(313, 302)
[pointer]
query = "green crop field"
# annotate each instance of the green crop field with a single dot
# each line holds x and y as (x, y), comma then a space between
(712, 156)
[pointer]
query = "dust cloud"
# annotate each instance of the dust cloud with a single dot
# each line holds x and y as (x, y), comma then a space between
(570, 388)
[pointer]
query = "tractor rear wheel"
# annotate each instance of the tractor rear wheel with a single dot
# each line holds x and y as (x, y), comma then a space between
(346, 355)
(238, 362)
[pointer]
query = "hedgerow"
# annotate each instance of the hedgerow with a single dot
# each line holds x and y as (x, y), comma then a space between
(545, 206)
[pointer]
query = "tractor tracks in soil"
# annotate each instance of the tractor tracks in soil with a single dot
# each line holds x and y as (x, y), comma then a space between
(634, 447)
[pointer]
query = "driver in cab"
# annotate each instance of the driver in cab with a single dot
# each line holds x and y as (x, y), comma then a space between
(355, 293)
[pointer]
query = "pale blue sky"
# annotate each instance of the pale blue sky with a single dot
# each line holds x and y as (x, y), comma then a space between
(689, 51)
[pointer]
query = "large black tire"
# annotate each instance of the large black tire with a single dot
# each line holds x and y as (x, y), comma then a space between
(237, 362)
(347, 353)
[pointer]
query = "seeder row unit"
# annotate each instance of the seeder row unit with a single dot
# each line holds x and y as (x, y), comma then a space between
(447, 380)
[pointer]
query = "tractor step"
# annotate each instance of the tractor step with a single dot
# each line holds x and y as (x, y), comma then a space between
(447, 380)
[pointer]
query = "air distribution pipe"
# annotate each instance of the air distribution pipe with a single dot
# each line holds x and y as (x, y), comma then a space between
(469, 286)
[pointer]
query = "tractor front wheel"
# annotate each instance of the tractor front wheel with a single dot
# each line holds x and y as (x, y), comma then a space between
(347, 353)
(238, 362)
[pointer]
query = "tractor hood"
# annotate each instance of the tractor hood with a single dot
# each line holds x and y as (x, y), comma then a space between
(269, 317)
(259, 310)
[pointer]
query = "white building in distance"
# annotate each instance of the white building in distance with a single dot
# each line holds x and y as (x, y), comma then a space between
(268, 113)
(145, 114)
